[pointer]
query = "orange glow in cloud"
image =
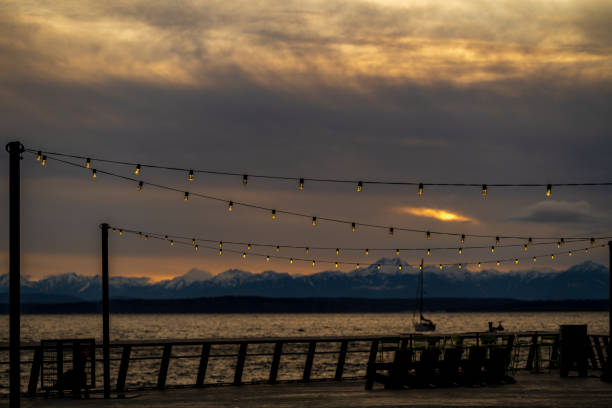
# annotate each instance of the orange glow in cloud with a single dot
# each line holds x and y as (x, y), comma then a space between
(438, 214)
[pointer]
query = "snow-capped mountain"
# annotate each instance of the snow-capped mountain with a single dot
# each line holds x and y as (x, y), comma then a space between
(585, 281)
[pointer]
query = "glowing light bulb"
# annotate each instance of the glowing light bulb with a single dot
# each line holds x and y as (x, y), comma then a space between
(120, 232)
(337, 251)
(140, 184)
(43, 161)
(586, 250)
(273, 214)
(245, 179)
(244, 255)
(267, 259)
(462, 238)
(459, 266)
(558, 244)
(525, 248)
(307, 250)
(114, 229)
(367, 251)
(397, 252)
(359, 187)
(87, 163)
(534, 259)
(248, 247)
(440, 266)
(195, 248)
(378, 267)
(357, 266)
(493, 249)
(529, 241)
(192, 241)
(220, 244)
(562, 242)
(220, 252)
(592, 241)
(516, 261)
(569, 253)
(171, 243)
(190, 176)
(94, 174)
(420, 189)
(391, 231)
(277, 248)
(313, 263)
(399, 267)
(428, 235)
(336, 265)
(548, 190)
(428, 251)
(496, 240)
(460, 251)
(38, 155)
(140, 235)
(353, 226)
(291, 260)
(484, 190)
(230, 206)
(186, 196)
(301, 184)
(420, 267)
(146, 237)
(137, 169)
(165, 237)
(479, 264)
(314, 221)
(497, 263)
(552, 256)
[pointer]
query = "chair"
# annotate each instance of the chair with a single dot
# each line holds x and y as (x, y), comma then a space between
(398, 372)
(426, 368)
(472, 367)
(449, 367)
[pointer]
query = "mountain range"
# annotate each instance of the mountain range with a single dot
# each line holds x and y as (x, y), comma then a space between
(584, 281)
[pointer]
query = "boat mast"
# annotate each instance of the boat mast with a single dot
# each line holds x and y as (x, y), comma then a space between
(421, 293)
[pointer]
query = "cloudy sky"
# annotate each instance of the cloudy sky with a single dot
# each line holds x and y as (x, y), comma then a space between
(420, 91)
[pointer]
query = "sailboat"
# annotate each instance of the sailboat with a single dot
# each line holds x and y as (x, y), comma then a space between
(423, 324)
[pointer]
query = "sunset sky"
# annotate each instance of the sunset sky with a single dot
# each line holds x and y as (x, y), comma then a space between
(419, 91)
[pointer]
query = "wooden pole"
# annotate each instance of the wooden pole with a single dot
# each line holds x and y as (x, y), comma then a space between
(105, 312)
(14, 149)
(607, 374)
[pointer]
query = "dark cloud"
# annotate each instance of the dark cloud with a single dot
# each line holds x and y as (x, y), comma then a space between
(560, 212)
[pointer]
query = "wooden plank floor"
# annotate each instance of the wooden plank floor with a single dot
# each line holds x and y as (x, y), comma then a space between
(531, 390)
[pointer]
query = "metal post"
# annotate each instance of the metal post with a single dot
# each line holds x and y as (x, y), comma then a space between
(14, 149)
(105, 312)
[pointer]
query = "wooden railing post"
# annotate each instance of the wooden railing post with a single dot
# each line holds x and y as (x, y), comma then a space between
(163, 368)
(240, 363)
(35, 371)
(59, 364)
(123, 367)
(278, 351)
(309, 360)
(203, 364)
(341, 360)
(370, 370)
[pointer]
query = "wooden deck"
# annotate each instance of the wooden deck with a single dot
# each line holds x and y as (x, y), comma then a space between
(531, 390)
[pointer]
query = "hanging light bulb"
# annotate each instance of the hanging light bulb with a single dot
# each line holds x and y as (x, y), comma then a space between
(137, 169)
(140, 235)
(277, 248)
(562, 241)
(195, 247)
(336, 265)
(171, 243)
(359, 187)
(267, 258)
(391, 231)
(586, 250)
(43, 161)
(558, 244)
(421, 267)
(192, 241)
(367, 251)
(245, 179)
(186, 196)
(378, 267)
(484, 190)
(529, 241)
(479, 264)
(313, 263)
(353, 226)
(460, 251)
(399, 267)
(420, 189)
(496, 240)
(140, 184)
(357, 266)
(220, 244)
(493, 249)
(428, 235)
(337, 251)
(548, 190)
(314, 221)
(273, 214)
(190, 176)
(397, 252)
(244, 255)
(291, 260)
(592, 241)
(301, 184)
(38, 155)
(114, 229)
(248, 247)
(440, 266)
(498, 263)
(534, 259)
(525, 247)
(569, 253)
(462, 238)
(165, 236)
(552, 256)
(146, 237)
(307, 250)
(87, 163)
(516, 261)
(230, 206)
(220, 251)
(94, 174)
(459, 266)
(428, 251)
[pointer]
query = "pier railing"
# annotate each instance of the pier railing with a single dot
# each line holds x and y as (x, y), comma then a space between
(203, 362)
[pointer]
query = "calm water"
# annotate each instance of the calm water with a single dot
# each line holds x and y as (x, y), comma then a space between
(145, 366)
(190, 326)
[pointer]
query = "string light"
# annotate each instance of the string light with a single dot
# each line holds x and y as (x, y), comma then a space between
(496, 240)
(562, 242)
(193, 241)
(359, 187)
(460, 251)
(301, 184)
(397, 252)
(171, 243)
(548, 190)
(190, 176)
(245, 179)
(391, 231)
(195, 247)
(88, 163)
(516, 261)
(307, 250)
(186, 196)
(336, 264)
(94, 174)
(534, 259)
(399, 267)
(220, 251)
(530, 241)
(230, 206)
(220, 244)
(267, 258)
(137, 169)
(552, 256)
(428, 235)
(462, 238)
(273, 214)
(493, 249)
(479, 264)
(244, 255)
(484, 190)
(313, 263)
(592, 241)
(353, 226)
(277, 248)
(440, 266)
(459, 266)
(378, 267)
(140, 184)
(525, 247)
(291, 260)
(44, 161)
(498, 263)
(337, 251)
(357, 266)
(420, 189)
(367, 251)
(248, 247)
(38, 155)
(314, 221)
(569, 253)
(428, 251)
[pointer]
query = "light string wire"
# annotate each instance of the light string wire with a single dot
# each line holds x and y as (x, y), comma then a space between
(275, 212)
(358, 265)
(195, 239)
(310, 179)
